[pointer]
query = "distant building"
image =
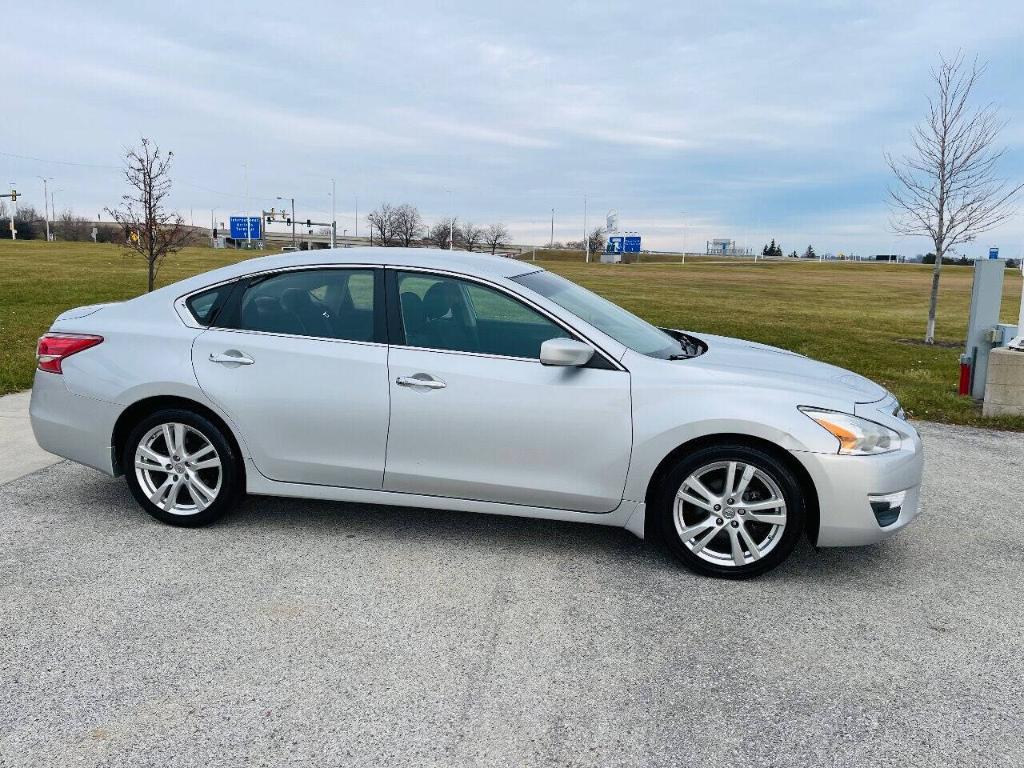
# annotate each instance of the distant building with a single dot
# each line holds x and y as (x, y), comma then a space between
(724, 247)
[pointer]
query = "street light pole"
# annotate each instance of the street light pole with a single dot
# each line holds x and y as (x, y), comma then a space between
(14, 205)
(586, 240)
(683, 213)
(46, 212)
(551, 244)
(334, 217)
(451, 223)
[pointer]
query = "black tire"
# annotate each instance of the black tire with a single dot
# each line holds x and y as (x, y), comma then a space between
(230, 468)
(788, 485)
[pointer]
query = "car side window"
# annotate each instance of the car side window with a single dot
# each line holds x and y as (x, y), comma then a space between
(204, 306)
(447, 313)
(324, 303)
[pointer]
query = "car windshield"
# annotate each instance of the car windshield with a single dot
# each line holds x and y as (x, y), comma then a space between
(611, 319)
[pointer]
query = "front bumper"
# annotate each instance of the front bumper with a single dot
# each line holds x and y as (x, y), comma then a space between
(69, 425)
(845, 483)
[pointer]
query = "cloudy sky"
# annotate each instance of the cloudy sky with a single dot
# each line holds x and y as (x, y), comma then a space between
(748, 120)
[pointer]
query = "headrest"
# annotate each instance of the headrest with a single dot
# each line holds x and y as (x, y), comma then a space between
(440, 299)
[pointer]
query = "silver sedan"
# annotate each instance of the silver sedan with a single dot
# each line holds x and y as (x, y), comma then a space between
(430, 379)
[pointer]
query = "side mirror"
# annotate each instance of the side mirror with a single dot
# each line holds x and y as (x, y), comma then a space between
(565, 352)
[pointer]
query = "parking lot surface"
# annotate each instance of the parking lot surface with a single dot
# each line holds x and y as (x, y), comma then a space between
(336, 634)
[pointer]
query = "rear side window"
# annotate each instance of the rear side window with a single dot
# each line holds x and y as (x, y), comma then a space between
(204, 306)
(324, 303)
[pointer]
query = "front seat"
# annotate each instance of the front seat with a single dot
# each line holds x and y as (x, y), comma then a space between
(414, 320)
(447, 319)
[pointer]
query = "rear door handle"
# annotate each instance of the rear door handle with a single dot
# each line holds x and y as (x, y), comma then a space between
(227, 357)
(420, 380)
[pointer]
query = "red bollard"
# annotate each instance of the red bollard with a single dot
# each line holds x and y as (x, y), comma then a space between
(965, 375)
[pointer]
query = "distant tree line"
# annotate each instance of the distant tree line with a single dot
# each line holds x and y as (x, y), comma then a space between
(402, 226)
(31, 225)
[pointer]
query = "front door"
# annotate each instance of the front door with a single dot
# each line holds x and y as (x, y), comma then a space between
(301, 369)
(474, 414)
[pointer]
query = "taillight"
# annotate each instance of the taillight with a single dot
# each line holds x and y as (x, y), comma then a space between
(54, 347)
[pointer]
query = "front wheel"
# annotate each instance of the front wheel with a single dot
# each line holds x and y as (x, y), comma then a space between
(730, 511)
(181, 468)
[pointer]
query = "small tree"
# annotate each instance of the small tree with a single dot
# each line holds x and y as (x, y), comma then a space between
(382, 224)
(809, 253)
(150, 230)
(408, 224)
(597, 240)
(495, 236)
(946, 188)
(469, 236)
(439, 235)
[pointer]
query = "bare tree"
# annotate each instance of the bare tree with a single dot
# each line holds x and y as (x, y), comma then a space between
(469, 236)
(71, 227)
(495, 236)
(439, 235)
(597, 240)
(150, 230)
(946, 188)
(408, 224)
(382, 223)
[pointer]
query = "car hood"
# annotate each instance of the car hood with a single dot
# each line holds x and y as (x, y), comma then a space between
(764, 365)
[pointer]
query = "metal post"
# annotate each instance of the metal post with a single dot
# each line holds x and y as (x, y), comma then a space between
(248, 229)
(451, 223)
(357, 217)
(14, 211)
(293, 222)
(334, 217)
(552, 243)
(586, 240)
(46, 210)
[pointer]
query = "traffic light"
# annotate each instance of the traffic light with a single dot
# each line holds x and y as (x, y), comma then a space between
(288, 222)
(14, 196)
(214, 233)
(269, 219)
(309, 223)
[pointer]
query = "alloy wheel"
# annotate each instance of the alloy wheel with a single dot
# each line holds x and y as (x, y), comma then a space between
(729, 513)
(178, 468)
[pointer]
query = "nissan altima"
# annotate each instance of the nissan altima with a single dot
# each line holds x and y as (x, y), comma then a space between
(460, 381)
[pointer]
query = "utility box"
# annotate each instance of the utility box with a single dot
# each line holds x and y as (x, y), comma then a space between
(1004, 390)
(986, 298)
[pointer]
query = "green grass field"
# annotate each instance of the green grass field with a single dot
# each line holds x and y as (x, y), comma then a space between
(851, 314)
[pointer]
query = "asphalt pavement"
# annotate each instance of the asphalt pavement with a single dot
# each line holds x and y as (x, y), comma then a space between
(329, 634)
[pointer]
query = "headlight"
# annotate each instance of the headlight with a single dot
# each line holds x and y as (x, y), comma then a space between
(856, 436)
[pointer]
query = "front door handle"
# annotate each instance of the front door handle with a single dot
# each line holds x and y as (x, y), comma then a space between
(227, 357)
(420, 380)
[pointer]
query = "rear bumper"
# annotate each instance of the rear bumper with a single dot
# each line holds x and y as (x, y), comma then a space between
(75, 427)
(844, 484)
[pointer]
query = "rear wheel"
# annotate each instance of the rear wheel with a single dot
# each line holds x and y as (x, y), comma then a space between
(181, 468)
(731, 511)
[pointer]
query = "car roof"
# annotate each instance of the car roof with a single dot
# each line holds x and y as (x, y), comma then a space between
(479, 264)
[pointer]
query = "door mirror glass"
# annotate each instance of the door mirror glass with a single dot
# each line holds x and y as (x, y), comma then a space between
(565, 352)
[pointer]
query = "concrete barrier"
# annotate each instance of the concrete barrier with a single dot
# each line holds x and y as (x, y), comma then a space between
(1004, 388)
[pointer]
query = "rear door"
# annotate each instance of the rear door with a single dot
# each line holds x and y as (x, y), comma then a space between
(475, 415)
(299, 363)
